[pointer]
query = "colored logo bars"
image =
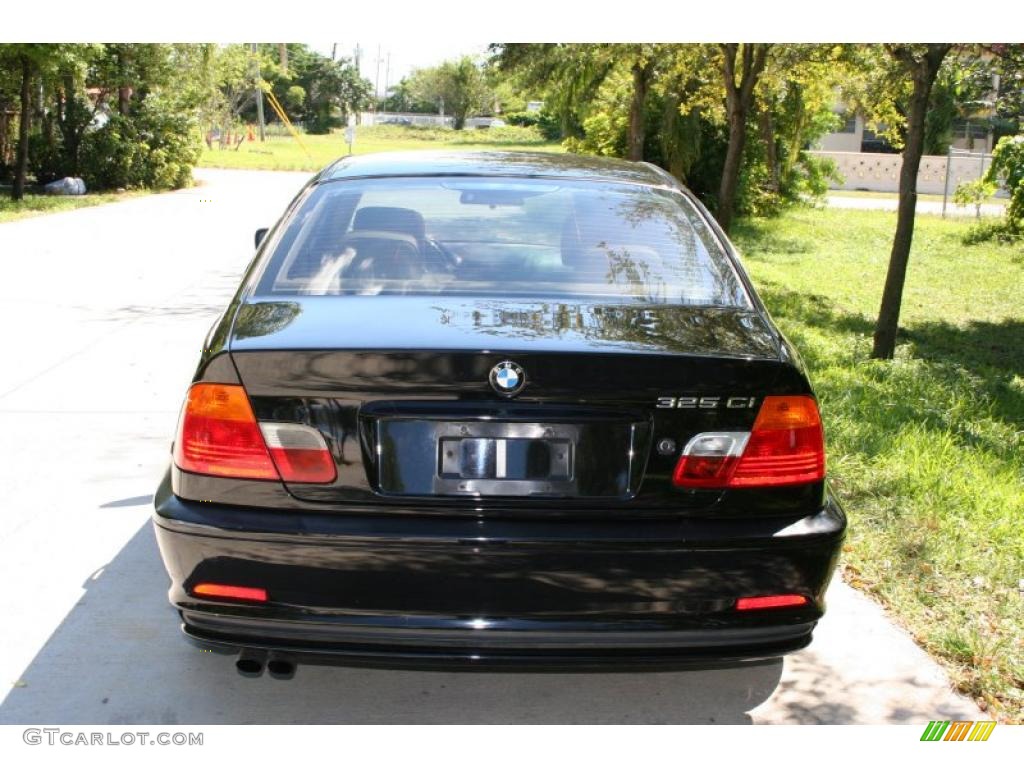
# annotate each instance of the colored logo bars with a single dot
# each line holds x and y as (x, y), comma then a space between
(959, 730)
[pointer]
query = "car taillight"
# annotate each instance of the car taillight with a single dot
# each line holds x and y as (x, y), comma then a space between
(218, 435)
(785, 446)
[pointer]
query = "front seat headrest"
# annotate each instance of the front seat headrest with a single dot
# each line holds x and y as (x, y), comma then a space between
(384, 219)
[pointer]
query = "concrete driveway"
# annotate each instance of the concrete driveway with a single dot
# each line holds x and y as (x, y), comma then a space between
(103, 313)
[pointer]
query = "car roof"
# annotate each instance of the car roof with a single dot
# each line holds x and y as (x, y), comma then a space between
(489, 163)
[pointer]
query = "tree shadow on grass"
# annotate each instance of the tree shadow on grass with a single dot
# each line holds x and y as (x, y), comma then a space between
(811, 309)
(993, 352)
(981, 355)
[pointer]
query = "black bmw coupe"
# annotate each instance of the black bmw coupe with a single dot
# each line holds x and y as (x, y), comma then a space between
(493, 409)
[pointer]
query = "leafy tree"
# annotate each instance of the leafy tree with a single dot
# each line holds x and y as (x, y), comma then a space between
(316, 90)
(401, 98)
(961, 89)
(134, 100)
(234, 82)
(294, 97)
(567, 76)
(1008, 66)
(334, 89)
(459, 86)
(31, 63)
(668, 104)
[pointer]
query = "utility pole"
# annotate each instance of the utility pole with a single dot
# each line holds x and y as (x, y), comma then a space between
(376, 81)
(356, 56)
(334, 51)
(259, 94)
(387, 75)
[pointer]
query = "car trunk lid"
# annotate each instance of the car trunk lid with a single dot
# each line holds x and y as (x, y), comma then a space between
(401, 389)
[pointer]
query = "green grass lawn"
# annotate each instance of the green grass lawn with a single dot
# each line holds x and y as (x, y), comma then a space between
(284, 153)
(33, 205)
(927, 451)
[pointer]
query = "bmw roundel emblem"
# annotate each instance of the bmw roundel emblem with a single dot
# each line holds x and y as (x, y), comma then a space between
(508, 378)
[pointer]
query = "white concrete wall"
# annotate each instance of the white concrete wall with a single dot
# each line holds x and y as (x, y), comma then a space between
(384, 118)
(881, 172)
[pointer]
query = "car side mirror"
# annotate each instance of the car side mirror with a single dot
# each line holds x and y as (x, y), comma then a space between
(260, 234)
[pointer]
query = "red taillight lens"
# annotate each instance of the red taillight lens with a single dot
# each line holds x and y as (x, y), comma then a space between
(784, 447)
(709, 459)
(255, 594)
(218, 435)
(770, 601)
(299, 452)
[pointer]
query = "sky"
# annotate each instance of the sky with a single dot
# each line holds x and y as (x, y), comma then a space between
(406, 55)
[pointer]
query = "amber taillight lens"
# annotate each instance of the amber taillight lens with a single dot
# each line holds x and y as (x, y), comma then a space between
(218, 435)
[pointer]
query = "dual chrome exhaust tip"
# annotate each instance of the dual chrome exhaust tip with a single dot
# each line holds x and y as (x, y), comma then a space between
(251, 663)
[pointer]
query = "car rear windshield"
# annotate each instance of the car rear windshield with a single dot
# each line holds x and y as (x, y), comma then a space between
(491, 236)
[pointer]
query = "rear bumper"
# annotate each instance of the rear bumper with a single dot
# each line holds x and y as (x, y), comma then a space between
(442, 591)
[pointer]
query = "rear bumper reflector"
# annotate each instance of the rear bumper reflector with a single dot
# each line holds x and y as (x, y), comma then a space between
(254, 594)
(770, 601)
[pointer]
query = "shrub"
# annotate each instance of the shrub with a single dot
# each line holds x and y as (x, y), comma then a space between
(154, 149)
(603, 134)
(548, 125)
(110, 156)
(810, 178)
(523, 119)
(974, 193)
(1008, 163)
(46, 160)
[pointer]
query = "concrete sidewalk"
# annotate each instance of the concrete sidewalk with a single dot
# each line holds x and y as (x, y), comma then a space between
(931, 207)
(105, 310)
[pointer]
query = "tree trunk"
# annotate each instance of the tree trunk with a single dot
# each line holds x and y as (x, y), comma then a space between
(21, 161)
(124, 91)
(767, 125)
(71, 130)
(924, 73)
(738, 99)
(732, 167)
(797, 140)
(636, 133)
(3, 133)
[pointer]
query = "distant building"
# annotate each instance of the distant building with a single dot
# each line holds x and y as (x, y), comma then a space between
(971, 131)
(973, 134)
